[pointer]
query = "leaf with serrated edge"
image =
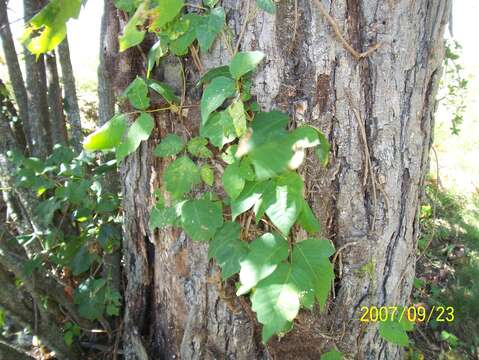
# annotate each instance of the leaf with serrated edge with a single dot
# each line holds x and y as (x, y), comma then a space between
(266, 253)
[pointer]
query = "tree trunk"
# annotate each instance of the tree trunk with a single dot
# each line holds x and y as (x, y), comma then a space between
(71, 100)
(377, 112)
(40, 129)
(55, 102)
(14, 72)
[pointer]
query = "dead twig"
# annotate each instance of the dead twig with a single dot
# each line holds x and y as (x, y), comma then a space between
(367, 154)
(243, 28)
(357, 55)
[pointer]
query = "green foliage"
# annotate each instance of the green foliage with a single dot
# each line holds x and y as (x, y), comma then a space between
(80, 223)
(201, 218)
(265, 254)
(244, 62)
(395, 330)
(267, 5)
(139, 131)
(48, 28)
(181, 175)
(332, 355)
(216, 92)
(171, 145)
(454, 86)
(448, 273)
(108, 136)
(228, 249)
(71, 331)
(257, 170)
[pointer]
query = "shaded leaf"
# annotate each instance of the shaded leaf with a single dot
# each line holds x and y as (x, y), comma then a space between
(211, 74)
(237, 113)
(207, 175)
(233, 182)
(171, 145)
(219, 129)
(267, 5)
(228, 249)
(197, 147)
(137, 94)
(312, 256)
(180, 176)
(308, 220)
(215, 94)
(210, 27)
(165, 91)
(201, 218)
(265, 254)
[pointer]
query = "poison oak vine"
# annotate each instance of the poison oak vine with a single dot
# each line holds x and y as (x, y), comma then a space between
(258, 158)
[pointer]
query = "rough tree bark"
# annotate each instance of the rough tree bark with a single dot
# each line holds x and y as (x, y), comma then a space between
(37, 93)
(14, 72)
(55, 103)
(71, 99)
(377, 113)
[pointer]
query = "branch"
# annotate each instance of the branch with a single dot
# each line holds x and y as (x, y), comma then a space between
(357, 55)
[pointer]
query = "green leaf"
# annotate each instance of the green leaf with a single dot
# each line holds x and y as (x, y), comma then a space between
(165, 91)
(127, 5)
(90, 298)
(197, 147)
(47, 29)
(251, 194)
(219, 129)
(233, 182)
(394, 332)
(237, 113)
(157, 51)
(166, 11)
(211, 74)
(180, 176)
(45, 210)
(308, 220)
(131, 35)
(265, 254)
(137, 94)
(285, 203)
(108, 136)
(210, 27)
(332, 355)
(276, 302)
(139, 131)
(207, 175)
(323, 150)
(171, 145)
(215, 94)
(161, 217)
(81, 261)
(244, 62)
(228, 156)
(246, 170)
(179, 46)
(210, 3)
(201, 218)
(304, 137)
(266, 5)
(228, 249)
(312, 256)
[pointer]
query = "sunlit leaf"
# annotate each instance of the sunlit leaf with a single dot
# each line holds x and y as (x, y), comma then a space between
(108, 136)
(201, 218)
(181, 175)
(139, 131)
(244, 62)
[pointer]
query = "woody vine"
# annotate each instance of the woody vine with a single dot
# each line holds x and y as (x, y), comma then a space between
(247, 158)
